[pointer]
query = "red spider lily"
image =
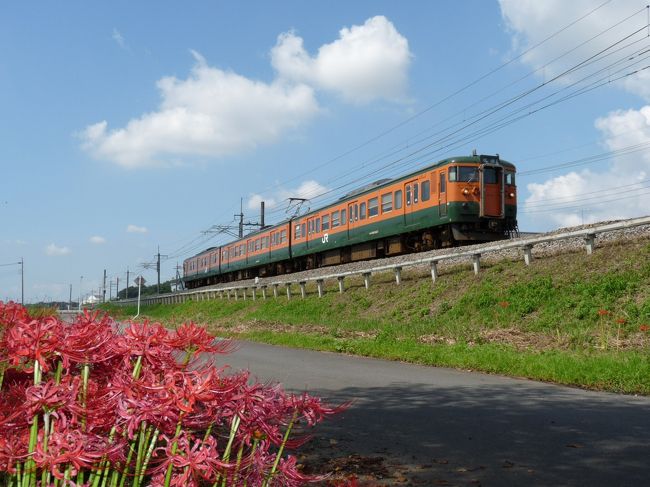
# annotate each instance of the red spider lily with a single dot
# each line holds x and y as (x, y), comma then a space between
(312, 409)
(11, 313)
(135, 389)
(148, 340)
(88, 339)
(603, 312)
(621, 321)
(72, 448)
(504, 304)
(49, 396)
(194, 339)
(33, 340)
(644, 328)
(196, 459)
(288, 474)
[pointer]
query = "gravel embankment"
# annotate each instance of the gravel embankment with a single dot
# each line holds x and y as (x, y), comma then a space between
(539, 250)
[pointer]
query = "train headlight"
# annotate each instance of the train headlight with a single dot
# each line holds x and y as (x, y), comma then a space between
(512, 195)
(466, 191)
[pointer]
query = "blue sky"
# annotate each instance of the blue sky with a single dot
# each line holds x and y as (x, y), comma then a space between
(132, 125)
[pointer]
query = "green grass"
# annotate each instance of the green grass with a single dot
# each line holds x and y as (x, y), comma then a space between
(540, 321)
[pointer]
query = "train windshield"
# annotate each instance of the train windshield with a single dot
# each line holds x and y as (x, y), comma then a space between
(463, 174)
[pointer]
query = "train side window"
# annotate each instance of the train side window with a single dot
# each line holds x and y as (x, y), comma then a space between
(398, 199)
(426, 190)
(416, 191)
(242, 247)
(296, 234)
(343, 216)
(326, 222)
(510, 178)
(386, 202)
(310, 227)
(356, 213)
(443, 183)
(257, 244)
(335, 219)
(362, 211)
(283, 236)
(373, 207)
(302, 230)
(452, 174)
(317, 230)
(408, 195)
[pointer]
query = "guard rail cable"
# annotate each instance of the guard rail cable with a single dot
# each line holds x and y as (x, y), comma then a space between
(525, 244)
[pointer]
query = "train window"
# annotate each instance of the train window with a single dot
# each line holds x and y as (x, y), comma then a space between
(408, 195)
(296, 233)
(373, 207)
(467, 174)
(356, 213)
(335, 219)
(326, 222)
(343, 216)
(362, 211)
(452, 174)
(317, 226)
(257, 244)
(386, 202)
(242, 247)
(310, 227)
(490, 175)
(416, 191)
(426, 190)
(398, 199)
(510, 178)
(303, 233)
(283, 236)
(443, 183)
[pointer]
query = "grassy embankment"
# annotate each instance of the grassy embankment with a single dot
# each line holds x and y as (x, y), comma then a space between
(544, 322)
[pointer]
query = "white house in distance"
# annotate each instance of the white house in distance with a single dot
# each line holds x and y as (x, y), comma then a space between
(91, 299)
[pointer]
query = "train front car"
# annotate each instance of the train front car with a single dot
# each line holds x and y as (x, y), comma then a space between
(481, 198)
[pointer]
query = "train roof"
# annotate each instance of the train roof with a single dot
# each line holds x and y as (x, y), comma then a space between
(474, 159)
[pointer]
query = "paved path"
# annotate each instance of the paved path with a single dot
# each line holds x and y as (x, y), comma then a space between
(437, 426)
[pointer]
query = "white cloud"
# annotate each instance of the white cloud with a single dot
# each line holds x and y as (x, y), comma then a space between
(621, 191)
(96, 239)
(367, 62)
(119, 38)
(55, 250)
(212, 113)
(532, 21)
(308, 189)
(589, 192)
(136, 229)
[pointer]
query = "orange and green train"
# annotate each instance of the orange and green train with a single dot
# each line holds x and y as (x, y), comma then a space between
(455, 201)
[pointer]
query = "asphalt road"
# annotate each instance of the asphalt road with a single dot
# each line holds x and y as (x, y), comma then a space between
(435, 426)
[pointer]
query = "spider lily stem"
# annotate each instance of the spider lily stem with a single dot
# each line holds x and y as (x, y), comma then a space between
(281, 449)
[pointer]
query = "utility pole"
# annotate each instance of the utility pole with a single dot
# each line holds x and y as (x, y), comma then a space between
(117, 289)
(155, 265)
(110, 291)
(70, 299)
(158, 269)
(127, 283)
(104, 288)
(241, 217)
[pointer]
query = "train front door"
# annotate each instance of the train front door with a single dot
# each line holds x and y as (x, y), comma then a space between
(492, 191)
(411, 199)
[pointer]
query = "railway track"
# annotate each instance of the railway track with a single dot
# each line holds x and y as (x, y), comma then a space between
(536, 245)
